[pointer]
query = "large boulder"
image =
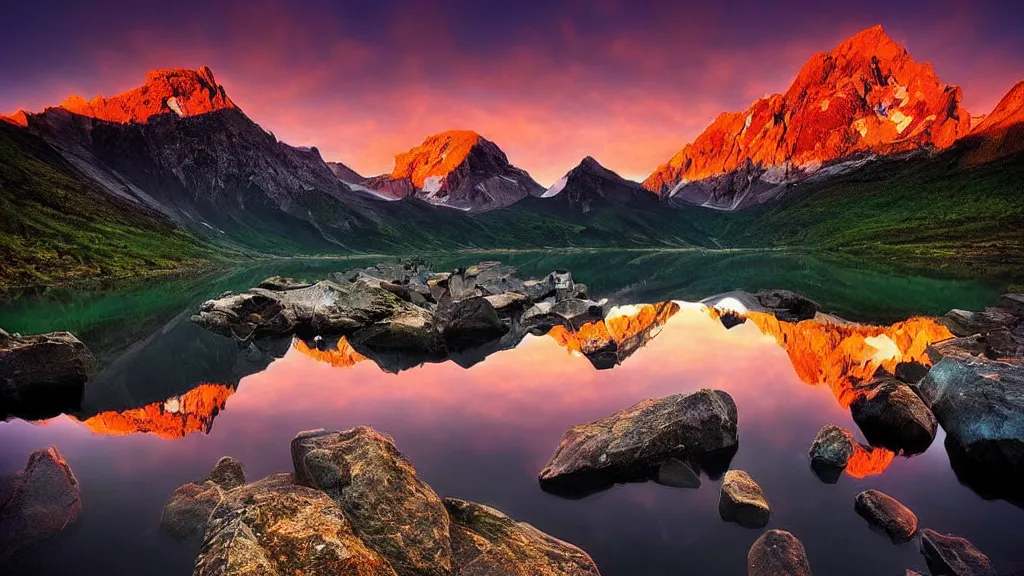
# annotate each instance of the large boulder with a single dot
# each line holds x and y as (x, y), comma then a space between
(1001, 345)
(953, 555)
(742, 501)
(887, 514)
(486, 542)
(1012, 303)
(468, 323)
(273, 527)
(891, 415)
(39, 502)
(980, 404)
(409, 330)
(390, 508)
(631, 444)
(965, 323)
(42, 376)
(571, 313)
(190, 505)
(777, 553)
(323, 308)
(499, 280)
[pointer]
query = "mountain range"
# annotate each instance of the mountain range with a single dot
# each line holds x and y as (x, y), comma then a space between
(174, 172)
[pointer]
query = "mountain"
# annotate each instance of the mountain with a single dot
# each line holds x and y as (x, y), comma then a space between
(1001, 133)
(590, 185)
(866, 97)
(345, 174)
(458, 169)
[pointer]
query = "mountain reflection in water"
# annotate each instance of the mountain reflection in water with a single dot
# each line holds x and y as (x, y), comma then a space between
(483, 432)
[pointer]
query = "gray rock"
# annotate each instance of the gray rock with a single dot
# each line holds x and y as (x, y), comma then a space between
(507, 303)
(282, 283)
(42, 376)
(390, 508)
(742, 501)
(964, 323)
(831, 452)
(788, 306)
(891, 415)
(1012, 303)
(468, 323)
(616, 447)
(886, 514)
(41, 500)
(777, 553)
(540, 289)
(461, 287)
(980, 404)
(952, 555)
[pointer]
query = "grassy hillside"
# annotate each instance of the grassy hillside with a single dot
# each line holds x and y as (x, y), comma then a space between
(924, 212)
(54, 226)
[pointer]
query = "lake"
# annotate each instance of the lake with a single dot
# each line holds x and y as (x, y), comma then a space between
(171, 398)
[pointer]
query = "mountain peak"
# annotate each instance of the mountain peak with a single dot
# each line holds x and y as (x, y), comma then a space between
(866, 96)
(175, 90)
(439, 154)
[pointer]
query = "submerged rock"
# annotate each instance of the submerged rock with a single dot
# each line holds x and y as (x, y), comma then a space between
(630, 444)
(282, 283)
(948, 554)
(777, 553)
(886, 514)
(980, 404)
(274, 527)
(42, 376)
(831, 452)
(678, 474)
(486, 542)
(742, 501)
(390, 508)
(190, 505)
(891, 415)
(39, 502)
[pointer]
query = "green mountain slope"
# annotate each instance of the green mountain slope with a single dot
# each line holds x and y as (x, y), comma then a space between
(54, 226)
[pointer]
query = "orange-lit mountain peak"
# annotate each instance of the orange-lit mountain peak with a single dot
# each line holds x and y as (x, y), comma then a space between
(866, 95)
(1001, 133)
(842, 355)
(625, 328)
(438, 155)
(342, 356)
(177, 91)
(18, 118)
(175, 417)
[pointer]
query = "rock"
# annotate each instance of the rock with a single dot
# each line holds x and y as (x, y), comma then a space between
(980, 404)
(273, 527)
(777, 553)
(326, 307)
(580, 291)
(952, 555)
(1012, 303)
(486, 542)
(390, 508)
(42, 376)
(913, 573)
(461, 287)
(187, 511)
(891, 415)
(742, 501)
(540, 289)
(507, 303)
(410, 330)
(964, 323)
(577, 312)
(830, 452)
(481, 267)
(42, 500)
(678, 474)
(468, 323)
(788, 306)
(282, 283)
(628, 444)
(887, 514)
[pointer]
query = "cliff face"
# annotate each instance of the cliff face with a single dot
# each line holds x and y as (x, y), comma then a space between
(1001, 133)
(458, 169)
(867, 96)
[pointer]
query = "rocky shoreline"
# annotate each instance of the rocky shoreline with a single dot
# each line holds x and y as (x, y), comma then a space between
(353, 504)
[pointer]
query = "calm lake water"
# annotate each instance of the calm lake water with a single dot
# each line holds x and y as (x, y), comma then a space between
(172, 398)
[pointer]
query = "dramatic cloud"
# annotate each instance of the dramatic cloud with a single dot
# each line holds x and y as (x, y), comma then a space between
(626, 82)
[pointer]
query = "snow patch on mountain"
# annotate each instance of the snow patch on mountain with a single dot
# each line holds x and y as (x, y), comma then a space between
(555, 188)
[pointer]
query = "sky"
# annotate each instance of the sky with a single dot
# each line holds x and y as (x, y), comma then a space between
(628, 82)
